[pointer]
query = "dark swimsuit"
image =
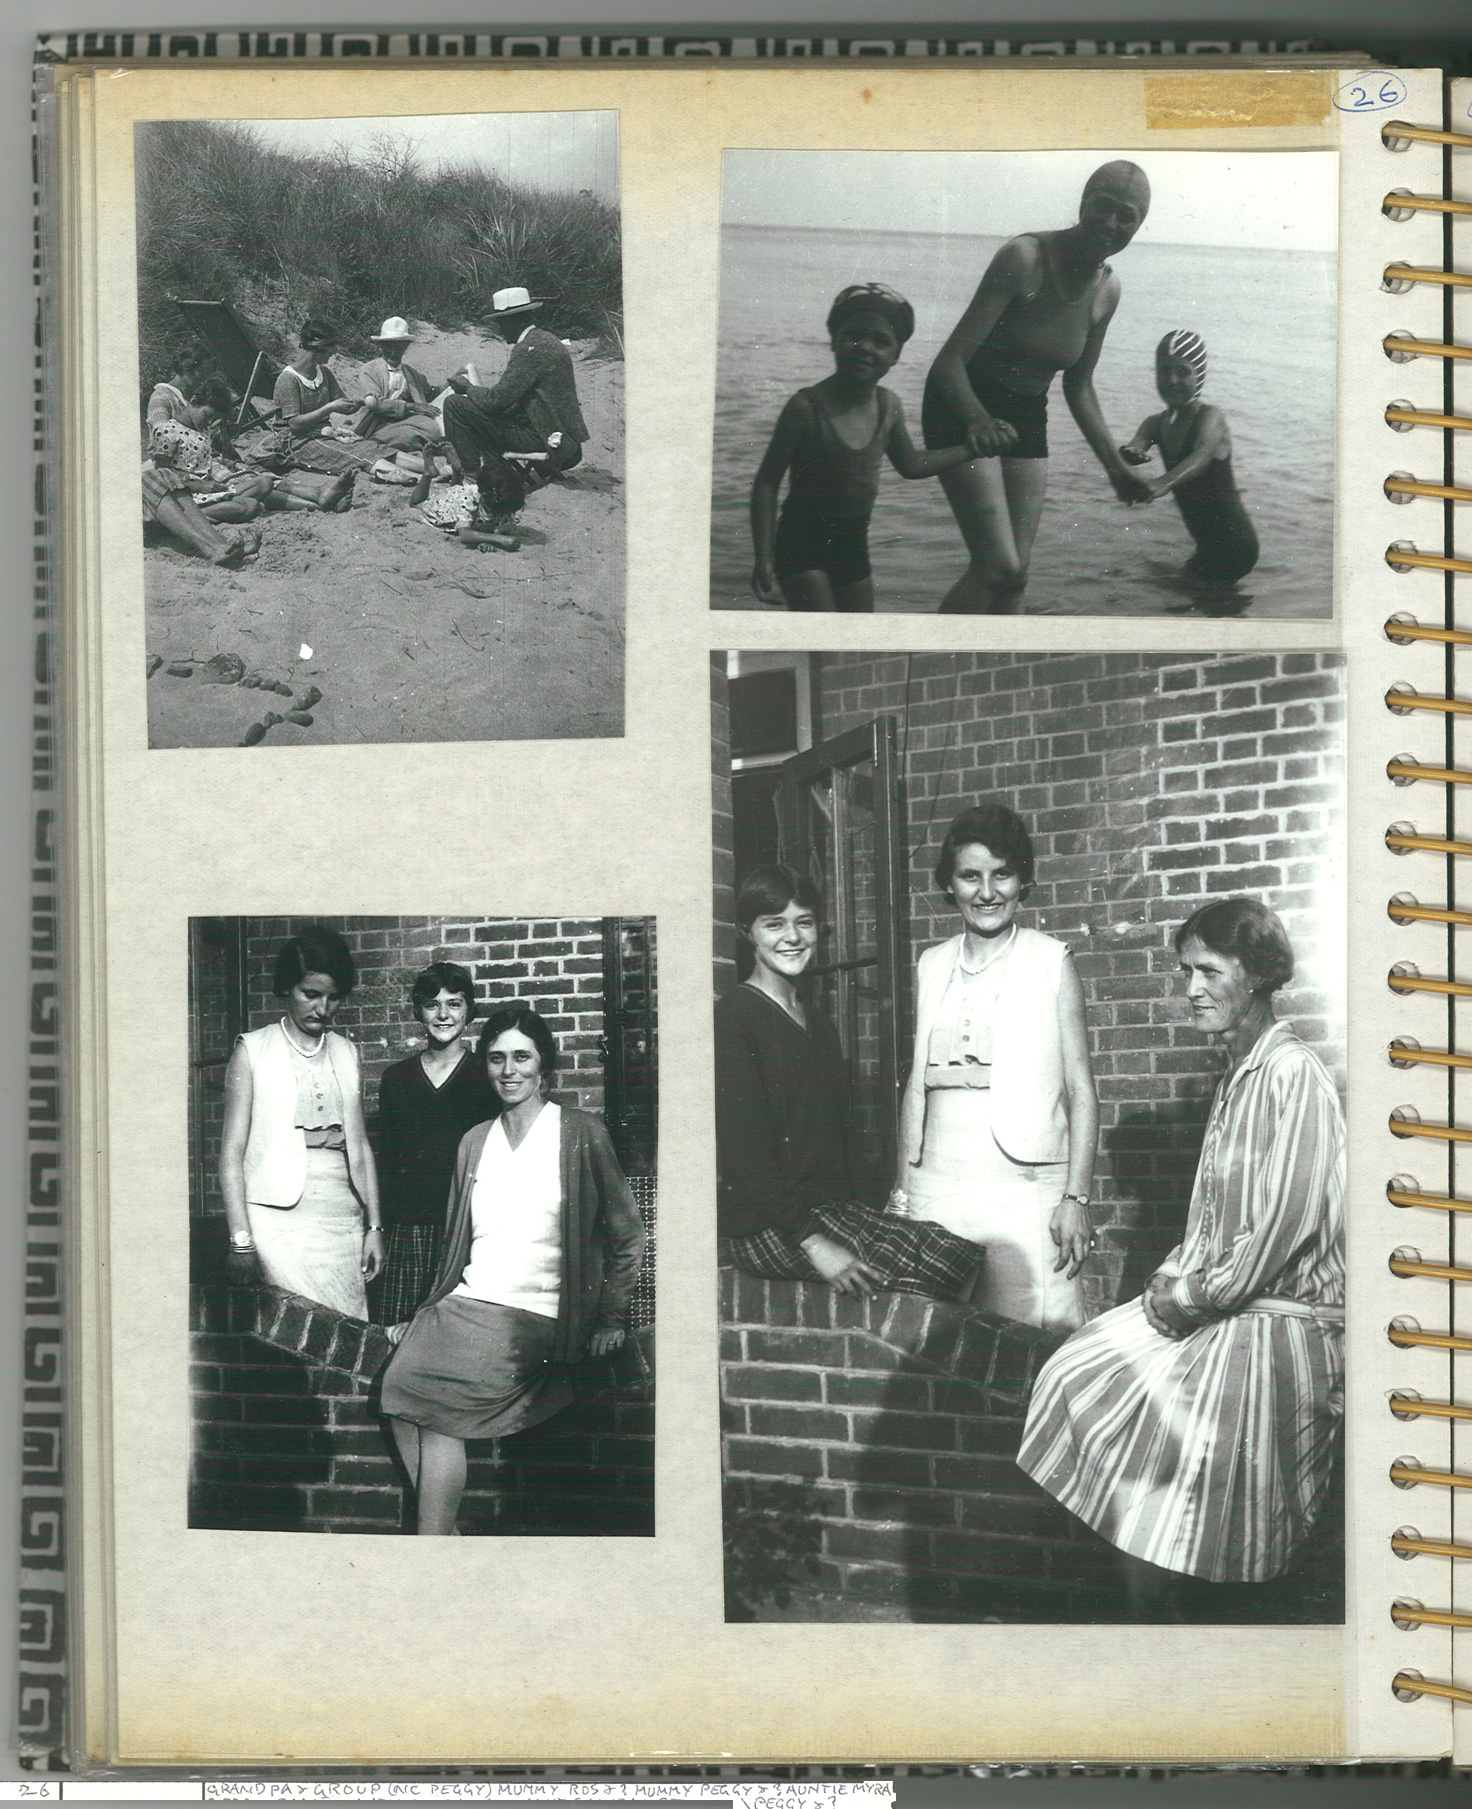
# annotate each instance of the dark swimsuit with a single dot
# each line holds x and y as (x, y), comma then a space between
(1211, 506)
(824, 524)
(1012, 369)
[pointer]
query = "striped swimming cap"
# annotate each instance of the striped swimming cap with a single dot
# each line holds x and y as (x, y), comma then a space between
(1187, 348)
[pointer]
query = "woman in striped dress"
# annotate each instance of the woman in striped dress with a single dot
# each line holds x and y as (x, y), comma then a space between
(1195, 1428)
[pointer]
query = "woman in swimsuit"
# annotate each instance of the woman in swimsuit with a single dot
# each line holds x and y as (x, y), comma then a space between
(1196, 448)
(1043, 306)
(833, 439)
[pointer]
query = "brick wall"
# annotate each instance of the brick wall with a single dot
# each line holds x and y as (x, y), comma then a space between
(1151, 784)
(555, 964)
(287, 1437)
(869, 1470)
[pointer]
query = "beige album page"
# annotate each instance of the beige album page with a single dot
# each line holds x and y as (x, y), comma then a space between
(443, 711)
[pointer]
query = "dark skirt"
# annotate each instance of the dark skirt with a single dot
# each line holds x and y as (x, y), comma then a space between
(471, 1369)
(913, 1256)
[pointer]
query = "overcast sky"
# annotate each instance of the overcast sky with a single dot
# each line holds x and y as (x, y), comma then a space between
(1262, 198)
(538, 150)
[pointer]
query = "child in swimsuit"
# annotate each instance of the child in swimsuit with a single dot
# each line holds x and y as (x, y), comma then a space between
(833, 438)
(1196, 449)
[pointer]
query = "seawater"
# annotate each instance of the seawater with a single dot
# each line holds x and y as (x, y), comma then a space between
(1268, 319)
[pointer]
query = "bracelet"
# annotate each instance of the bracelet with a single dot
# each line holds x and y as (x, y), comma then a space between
(370, 1228)
(242, 1249)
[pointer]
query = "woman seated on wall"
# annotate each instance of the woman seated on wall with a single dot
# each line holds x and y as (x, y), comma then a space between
(542, 1250)
(1000, 1119)
(426, 1104)
(786, 1176)
(1195, 1427)
(296, 1170)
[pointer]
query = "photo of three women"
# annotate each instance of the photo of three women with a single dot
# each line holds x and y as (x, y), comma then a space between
(529, 1269)
(1194, 1427)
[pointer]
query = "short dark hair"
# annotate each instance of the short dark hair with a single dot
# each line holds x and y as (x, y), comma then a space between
(767, 891)
(529, 1023)
(442, 976)
(316, 332)
(1247, 931)
(996, 826)
(315, 950)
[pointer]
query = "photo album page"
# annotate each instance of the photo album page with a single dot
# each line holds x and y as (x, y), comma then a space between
(650, 1182)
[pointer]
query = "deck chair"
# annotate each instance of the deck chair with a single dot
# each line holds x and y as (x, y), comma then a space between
(231, 343)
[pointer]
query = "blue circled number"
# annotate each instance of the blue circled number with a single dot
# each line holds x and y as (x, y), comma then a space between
(1370, 93)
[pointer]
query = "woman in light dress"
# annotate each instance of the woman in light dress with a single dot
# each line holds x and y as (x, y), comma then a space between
(296, 1169)
(1000, 1119)
(1195, 1428)
(542, 1248)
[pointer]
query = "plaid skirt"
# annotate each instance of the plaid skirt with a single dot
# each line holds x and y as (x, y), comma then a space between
(158, 485)
(411, 1260)
(912, 1256)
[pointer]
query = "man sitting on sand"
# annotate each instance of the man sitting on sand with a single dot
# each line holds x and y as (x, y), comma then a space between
(533, 409)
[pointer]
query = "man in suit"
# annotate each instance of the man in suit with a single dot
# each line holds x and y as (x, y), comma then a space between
(534, 408)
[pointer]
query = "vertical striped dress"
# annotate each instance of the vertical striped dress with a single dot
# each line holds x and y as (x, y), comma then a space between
(1211, 1455)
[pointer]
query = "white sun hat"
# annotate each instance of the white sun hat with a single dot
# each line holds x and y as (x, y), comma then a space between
(512, 301)
(395, 330)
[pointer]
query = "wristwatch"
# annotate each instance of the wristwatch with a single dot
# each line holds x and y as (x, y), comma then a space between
(236, 1244)
(1081, 1198)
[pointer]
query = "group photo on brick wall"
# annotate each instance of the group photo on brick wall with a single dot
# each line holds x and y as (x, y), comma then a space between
(1029, 1062)
(422, 1201)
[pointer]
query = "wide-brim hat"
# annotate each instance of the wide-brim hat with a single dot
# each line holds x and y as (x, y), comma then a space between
(513, 301)
(394, 331)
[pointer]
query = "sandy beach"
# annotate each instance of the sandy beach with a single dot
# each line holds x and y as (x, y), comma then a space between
(407, 634)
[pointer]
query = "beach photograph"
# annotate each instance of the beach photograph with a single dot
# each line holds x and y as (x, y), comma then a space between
(889, 434)
(381, 411)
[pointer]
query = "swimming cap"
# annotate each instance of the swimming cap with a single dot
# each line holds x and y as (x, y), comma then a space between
(1124, 179)
(1189, 348)
(874, 298)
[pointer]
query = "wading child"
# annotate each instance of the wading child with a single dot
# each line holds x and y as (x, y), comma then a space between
(833, 438)
(1196, 449)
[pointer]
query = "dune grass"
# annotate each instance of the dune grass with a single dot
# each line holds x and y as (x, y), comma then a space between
(223, 216)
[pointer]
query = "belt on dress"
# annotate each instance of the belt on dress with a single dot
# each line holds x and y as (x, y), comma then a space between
(1295, 1309)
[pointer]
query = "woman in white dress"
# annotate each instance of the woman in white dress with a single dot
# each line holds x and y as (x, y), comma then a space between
(1000, 1119)
(296, 1168)
(1195, 1427)
(542, 1250)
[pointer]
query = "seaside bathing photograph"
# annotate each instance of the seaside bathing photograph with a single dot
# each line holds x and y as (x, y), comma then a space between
(381, 419)
(1029, 1064)
(422, 1221)
(889, 434)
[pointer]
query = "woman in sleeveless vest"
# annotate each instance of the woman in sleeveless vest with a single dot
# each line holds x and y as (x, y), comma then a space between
(1000, 1119)
(1043, 306)
(543, 1243)
(296, 1169)
(1196, 1427)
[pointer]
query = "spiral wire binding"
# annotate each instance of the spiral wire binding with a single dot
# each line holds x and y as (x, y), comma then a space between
(1404, 630)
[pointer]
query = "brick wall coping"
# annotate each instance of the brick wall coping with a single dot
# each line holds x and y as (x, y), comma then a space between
(358, 1351)
(949, 1337)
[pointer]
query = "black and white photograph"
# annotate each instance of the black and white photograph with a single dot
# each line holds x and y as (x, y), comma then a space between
(888, 434)
(422, 1179)
(1029, 1054)
(381, 406)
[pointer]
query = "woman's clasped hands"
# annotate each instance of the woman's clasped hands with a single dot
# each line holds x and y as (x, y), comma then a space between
(1160, 1308)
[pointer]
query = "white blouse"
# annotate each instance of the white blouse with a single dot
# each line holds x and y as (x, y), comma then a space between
(516, 1219)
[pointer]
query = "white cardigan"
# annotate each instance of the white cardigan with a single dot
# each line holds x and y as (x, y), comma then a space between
(1029, 1105)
